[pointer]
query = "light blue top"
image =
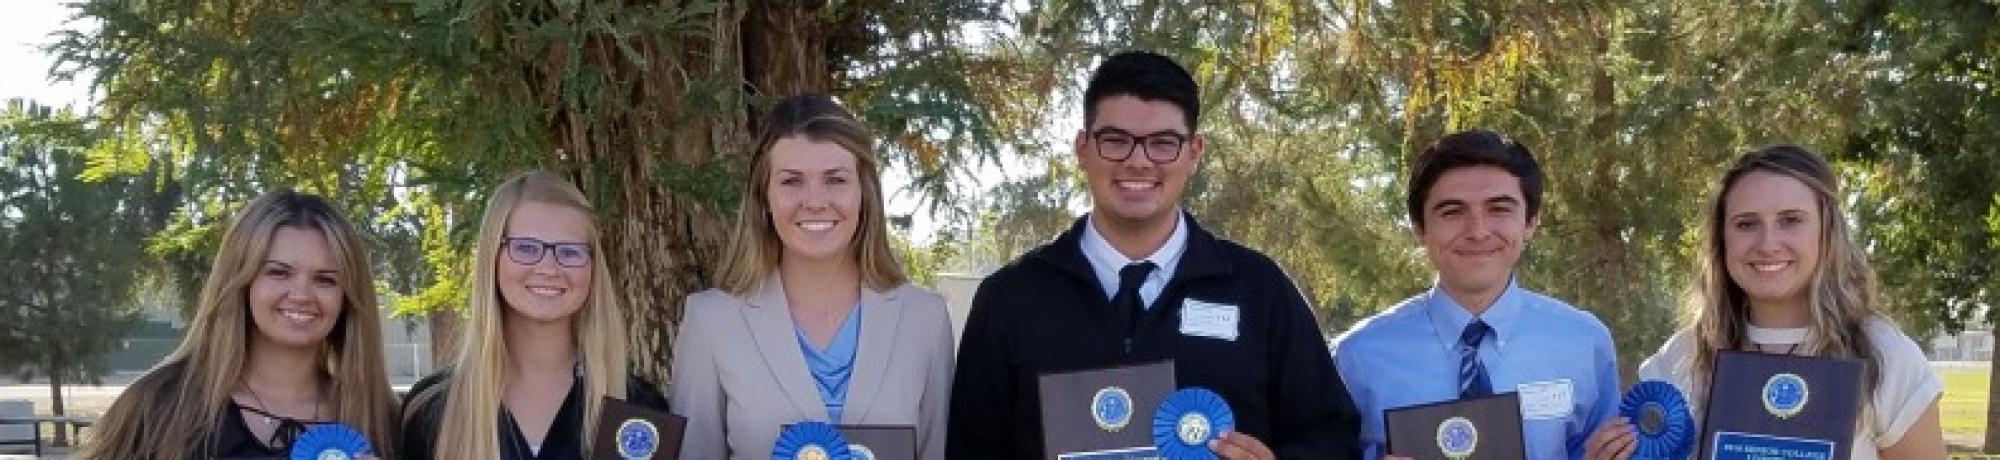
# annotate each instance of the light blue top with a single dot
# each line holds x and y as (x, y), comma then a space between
(832, 368)
(1559, 359)
(1105, 260)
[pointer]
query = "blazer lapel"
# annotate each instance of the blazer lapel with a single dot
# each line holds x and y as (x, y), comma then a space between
(777, 340)
(880, 316)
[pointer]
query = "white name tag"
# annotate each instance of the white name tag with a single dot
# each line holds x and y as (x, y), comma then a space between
(1546, 400)
(1208, 319)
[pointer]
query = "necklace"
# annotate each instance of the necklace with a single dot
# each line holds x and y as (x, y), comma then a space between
(1789, 350)
(270, 416)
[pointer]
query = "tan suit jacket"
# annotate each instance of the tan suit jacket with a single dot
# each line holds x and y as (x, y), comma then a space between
(739, 374)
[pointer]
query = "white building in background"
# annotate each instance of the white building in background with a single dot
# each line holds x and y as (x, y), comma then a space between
(1971, 345)
(406, 346)
(1975, 343)
(957, 289)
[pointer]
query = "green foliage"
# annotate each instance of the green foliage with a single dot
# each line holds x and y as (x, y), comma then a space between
(71, 246)
(924, 262)
(1922, 142)
(1029, 211)
(223, 101)
(406, 113)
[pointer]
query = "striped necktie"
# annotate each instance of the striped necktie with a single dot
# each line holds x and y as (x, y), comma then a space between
(1471, 374)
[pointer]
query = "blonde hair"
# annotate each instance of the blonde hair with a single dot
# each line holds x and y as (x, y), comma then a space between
(755, 249)
(478, 381)
(171, 412)
(1840, 296)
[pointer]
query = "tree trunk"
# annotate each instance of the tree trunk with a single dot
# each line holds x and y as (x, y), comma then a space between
(444, 338)
(664, 243)
(1612, 271)
(785, 49)
(56, 401)
(1992, 407)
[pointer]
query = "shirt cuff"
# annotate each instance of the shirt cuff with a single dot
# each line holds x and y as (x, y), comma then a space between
(1907, 413)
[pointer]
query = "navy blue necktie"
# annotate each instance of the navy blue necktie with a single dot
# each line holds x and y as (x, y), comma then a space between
(1129, 279)
(1127, 304)
(1471, 374)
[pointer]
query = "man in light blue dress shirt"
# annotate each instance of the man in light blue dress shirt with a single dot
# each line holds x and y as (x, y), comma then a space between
(1474, 200)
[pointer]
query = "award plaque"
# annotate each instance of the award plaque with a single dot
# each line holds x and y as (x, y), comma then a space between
(881, 442)
(627, 431)
(1780, 407)
(1482, 428)
(1103, 413)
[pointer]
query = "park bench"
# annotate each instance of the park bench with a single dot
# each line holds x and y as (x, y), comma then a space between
(23, 433)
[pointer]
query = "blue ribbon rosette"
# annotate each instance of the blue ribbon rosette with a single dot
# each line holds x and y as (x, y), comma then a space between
(811, 441)
(1661, 422)
(1187, 420)
(330, 441)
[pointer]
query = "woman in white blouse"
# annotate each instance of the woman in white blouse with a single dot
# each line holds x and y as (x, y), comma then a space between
(1781, 274)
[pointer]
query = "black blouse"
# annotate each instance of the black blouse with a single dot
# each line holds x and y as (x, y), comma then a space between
(563, 441)
(234, 440)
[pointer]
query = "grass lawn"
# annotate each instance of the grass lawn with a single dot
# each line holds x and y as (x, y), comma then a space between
(1963, 409)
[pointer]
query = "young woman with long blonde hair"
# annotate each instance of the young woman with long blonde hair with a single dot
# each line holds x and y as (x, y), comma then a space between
(543, 342)
(1781, 273)
(286, 335)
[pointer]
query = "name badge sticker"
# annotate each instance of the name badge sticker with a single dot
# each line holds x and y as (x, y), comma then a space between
(1209, 319)
(1545, 400)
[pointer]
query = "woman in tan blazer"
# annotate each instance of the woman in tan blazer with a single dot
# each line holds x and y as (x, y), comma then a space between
(814, 320)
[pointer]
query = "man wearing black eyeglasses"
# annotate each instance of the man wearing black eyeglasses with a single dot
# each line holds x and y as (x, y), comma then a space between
(1136, 281)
